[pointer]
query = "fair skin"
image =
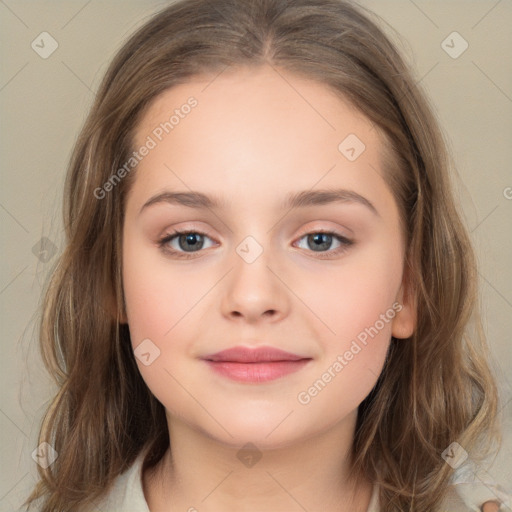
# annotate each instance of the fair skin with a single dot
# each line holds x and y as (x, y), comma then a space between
(491, 506)
(251, 141)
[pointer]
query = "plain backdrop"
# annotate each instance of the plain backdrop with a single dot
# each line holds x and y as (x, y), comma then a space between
(44, 102)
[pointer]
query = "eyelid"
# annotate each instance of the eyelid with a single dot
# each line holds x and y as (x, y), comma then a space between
(331, 254)
(324, 229)
(176, 232)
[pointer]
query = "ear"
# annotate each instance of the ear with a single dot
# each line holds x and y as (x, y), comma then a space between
(404, 322)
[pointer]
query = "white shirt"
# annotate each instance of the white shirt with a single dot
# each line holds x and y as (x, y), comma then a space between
(127, 495)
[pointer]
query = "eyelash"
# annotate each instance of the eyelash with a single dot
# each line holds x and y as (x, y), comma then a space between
(345, 243)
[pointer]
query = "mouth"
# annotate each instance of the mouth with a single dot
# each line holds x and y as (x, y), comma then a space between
(256, 365)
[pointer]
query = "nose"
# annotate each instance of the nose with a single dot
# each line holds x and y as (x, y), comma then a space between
(255, 291)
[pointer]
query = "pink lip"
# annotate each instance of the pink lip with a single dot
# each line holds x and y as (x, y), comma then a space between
(255, 365)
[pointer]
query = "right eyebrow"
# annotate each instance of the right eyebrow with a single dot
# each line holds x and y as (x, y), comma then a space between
(190, 199)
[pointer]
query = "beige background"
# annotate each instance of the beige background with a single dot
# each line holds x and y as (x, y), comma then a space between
(44, 102)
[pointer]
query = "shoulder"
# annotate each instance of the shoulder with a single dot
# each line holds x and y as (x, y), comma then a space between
(126, 494)
(455, 501)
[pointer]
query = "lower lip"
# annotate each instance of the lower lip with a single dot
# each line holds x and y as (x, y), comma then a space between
(257, 372)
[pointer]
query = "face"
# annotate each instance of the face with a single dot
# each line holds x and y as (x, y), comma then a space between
(319, 278)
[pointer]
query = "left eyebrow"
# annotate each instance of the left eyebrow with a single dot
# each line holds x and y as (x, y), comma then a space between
(327, 196)
(305, 198)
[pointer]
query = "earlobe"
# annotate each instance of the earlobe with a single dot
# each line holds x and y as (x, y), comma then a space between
(404, 323)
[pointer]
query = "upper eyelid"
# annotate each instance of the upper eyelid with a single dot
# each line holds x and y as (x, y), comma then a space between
(193, 229)
(178, 231)
(326, 230)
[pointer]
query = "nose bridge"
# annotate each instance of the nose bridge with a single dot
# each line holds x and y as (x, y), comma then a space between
(253, 289)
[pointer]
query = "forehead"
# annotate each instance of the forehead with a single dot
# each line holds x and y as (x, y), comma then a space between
(260, 129)
(263, 101)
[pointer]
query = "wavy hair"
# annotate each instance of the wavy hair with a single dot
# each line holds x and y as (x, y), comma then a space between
(436, 387)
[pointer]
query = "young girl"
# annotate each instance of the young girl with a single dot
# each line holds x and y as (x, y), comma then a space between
(266, 297)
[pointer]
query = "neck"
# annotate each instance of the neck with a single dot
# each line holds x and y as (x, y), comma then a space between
(201, 474)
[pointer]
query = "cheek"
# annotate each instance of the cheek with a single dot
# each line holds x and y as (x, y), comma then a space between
(356, 293)
(157, 294)
(358, 305)
(165, 304)
(160, 311)
(352, 359)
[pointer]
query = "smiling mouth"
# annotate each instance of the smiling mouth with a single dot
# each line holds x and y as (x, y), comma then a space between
(255, 364)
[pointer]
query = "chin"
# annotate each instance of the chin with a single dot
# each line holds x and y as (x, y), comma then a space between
(263, 434)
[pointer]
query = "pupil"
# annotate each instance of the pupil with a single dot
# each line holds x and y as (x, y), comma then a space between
(321, 240)
(190, 239)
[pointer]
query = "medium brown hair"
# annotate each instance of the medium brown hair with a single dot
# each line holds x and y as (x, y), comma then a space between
(435, 388)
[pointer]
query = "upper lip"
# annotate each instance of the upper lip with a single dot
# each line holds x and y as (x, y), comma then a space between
(241, 354)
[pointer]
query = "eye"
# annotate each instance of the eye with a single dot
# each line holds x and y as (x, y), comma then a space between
(183, 244)
(188, 242)
(320, 240)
